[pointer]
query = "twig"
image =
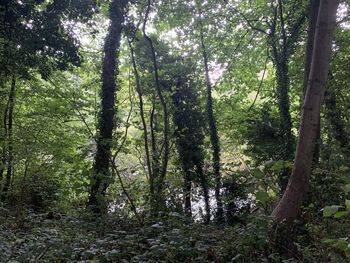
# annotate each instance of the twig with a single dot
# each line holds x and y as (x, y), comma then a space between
(42, 254)
(260, 84)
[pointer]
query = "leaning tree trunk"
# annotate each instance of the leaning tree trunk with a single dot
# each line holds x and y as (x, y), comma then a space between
(290, 204)
(313, 13)
(101, 170)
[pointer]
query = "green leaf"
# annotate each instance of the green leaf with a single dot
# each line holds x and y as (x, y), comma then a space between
(277, 166)
(258, 174)
(346, 188)
(347, 204)
(328, 211)
(329, 241)
(341, 214)
(262, 197)
(340, 243)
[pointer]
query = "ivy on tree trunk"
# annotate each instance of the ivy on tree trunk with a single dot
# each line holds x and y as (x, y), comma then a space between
(101, 177)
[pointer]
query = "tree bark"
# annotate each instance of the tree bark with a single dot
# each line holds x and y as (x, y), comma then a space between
(158, 198)
(292, 199)
(280, 55)
(187, 193)
(9, 140)
(205, 187)
(189, 123)
(313, 13)
(142, 112)
(214, 138)
(282, 47)
(101, 170)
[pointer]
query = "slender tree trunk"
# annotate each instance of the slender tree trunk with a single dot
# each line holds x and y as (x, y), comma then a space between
(280, 54)
(188, 123)
(292, 199)
(142, 113)
(159, 180)
(8, 124)
(283, 92)
(101, 171)
(2, 161)
(214, 138)
(286, 136)
(187, 193)
(282, 40)
(155, 159)
(205, 188)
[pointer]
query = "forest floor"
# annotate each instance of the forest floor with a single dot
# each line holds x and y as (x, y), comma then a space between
(54, 237)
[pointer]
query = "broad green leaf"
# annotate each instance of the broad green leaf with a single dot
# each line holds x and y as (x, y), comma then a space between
(262, 197)
(277, 166)
(257, 173)
(329, 241)
(340, 243)
(341, 214)
(346, 188)
(328, 211)
(347, 204)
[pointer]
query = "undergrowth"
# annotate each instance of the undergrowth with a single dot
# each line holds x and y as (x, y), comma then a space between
(54, 237)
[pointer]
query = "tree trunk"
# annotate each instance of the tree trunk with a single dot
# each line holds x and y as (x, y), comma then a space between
(189, 123)
(187, 193)
(142, 113)
(313, 13)
(214, 138)
(283, 93)
(101, 171)
(205, 188)
(280, 54)
(8, 126)
(285, 131)
(282, 40)
(158, 198)
(290, 204)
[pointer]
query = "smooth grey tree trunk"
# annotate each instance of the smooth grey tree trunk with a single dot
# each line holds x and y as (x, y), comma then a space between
(292, 199)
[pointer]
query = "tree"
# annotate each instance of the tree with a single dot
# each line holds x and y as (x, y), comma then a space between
(101, 177)
(312, 16)
(282, 40)
(8, 124)
(189, 123)
(281, 23)
(33, 40)
(289, 206)
(159, 170)
(213, 132)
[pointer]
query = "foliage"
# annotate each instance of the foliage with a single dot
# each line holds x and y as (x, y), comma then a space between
(53, 50)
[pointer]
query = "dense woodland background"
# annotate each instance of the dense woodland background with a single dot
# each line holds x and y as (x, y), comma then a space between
(174, 131)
